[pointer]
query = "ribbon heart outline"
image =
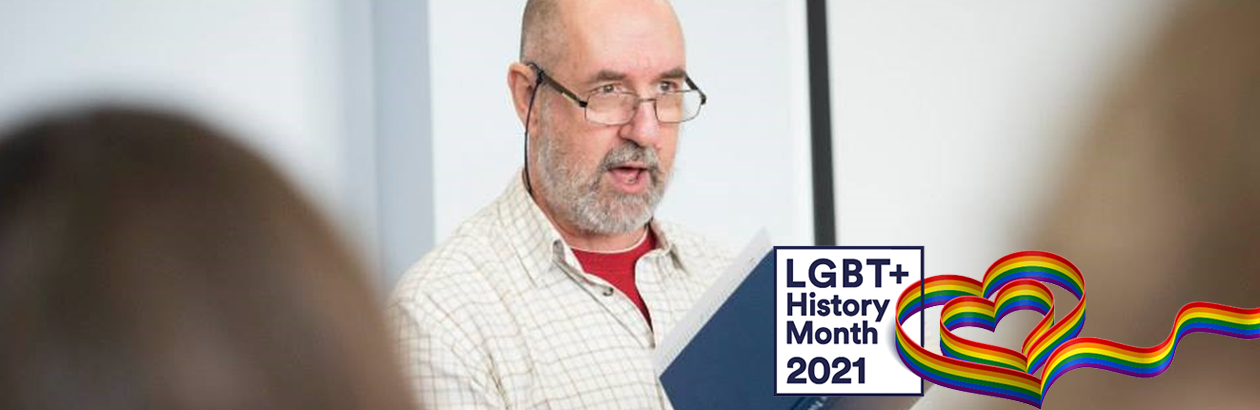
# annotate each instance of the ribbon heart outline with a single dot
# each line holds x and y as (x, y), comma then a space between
(1052, 347)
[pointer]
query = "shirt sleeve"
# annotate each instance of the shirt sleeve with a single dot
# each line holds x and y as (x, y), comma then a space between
(443, 365)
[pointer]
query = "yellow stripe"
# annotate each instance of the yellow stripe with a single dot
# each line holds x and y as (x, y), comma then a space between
(967, 372)
(1074, 275)
(1111, 352)
(971, 290)
(1042, 260)
(1037, 350)
(987, 355)
(1203, 312)
(1033, 292)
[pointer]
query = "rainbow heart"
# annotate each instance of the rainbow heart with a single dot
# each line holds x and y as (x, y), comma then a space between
(972, 311)
(1051, 348)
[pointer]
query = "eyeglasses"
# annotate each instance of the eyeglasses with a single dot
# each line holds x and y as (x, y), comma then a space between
(619, 107)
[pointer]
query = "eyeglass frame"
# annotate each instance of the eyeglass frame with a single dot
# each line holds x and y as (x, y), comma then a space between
(544, 78)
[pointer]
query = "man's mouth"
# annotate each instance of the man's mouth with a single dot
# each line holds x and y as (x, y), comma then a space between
(630, 177)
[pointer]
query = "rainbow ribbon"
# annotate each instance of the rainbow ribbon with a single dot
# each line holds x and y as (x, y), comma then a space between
(1015, 283)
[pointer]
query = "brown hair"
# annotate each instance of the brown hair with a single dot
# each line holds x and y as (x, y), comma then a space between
(147, 262)
(1163, 199)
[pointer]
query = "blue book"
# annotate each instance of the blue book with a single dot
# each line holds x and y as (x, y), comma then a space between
(721, 355)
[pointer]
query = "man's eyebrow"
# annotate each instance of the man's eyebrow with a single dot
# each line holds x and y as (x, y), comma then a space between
(609, 75)
(606, 75)
(677, 72)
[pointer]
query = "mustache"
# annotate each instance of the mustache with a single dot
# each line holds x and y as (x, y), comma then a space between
(630, 152)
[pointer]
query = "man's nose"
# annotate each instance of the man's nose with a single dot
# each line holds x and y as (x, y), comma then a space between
(644, 129)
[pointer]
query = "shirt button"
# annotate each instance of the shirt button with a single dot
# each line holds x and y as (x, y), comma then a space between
(608, 291)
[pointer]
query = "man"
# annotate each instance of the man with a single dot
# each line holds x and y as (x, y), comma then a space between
(555, 295)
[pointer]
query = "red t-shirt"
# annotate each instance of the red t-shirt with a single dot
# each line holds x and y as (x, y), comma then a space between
(618, 269)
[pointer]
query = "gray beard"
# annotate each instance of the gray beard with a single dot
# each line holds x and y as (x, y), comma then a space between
(581, 200)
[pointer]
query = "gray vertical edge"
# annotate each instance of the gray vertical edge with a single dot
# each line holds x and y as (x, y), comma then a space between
(357, 135)
(404, 137)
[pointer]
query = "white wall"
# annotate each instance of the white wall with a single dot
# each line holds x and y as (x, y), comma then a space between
(742, 164)
(951, 119)
(263, 69)
(278, 74)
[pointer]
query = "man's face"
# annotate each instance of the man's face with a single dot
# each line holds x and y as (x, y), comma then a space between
(608, 179)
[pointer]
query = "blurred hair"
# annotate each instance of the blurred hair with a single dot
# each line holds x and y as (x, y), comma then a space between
(1161, 207)
(148, 262)
(1167, 175)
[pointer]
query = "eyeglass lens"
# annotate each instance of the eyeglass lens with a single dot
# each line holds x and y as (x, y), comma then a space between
(619, 108)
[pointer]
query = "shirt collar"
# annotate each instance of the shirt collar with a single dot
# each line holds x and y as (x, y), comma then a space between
(537, 242)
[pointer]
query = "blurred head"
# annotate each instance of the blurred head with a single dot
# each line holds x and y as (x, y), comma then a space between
(596, 178)
(147, 262)
(1161, 207)
(1166, 180)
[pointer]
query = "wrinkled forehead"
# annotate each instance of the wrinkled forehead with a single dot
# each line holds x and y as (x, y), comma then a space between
(640, 39)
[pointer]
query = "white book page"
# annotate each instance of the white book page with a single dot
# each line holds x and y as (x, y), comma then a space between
(710, 301)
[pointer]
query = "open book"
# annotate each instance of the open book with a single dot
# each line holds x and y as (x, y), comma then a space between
(721, 354)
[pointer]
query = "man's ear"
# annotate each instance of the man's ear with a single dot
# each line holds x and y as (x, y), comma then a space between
(521, 79)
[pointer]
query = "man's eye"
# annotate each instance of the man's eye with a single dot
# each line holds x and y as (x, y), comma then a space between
(606, 89)
(668, 86)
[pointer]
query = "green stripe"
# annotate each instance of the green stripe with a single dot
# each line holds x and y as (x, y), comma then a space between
(974, 359)
(1036, 396)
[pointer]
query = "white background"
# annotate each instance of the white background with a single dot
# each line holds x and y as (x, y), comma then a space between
(949, 119)
(743, 164)
(885, 374)
(308, 85)
(965, 106)
(280, 76)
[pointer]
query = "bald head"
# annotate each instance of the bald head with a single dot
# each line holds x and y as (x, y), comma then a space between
(540, 27)
(547, 26)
